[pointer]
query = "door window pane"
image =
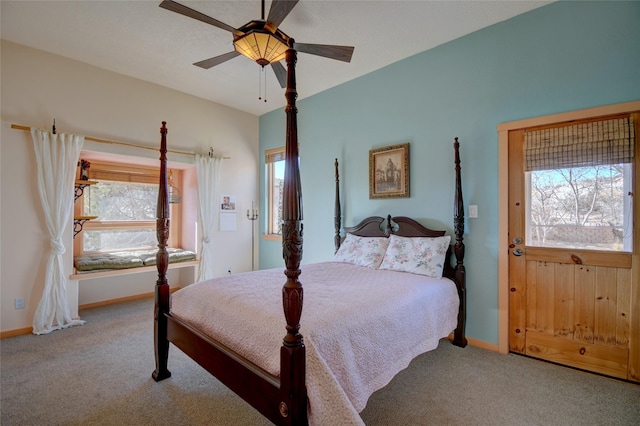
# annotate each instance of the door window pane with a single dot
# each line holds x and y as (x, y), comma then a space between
(581, 207)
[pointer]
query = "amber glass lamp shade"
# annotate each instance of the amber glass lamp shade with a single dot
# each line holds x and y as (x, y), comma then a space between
(261, 46)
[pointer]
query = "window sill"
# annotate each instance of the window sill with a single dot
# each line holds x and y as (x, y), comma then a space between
(117, 272)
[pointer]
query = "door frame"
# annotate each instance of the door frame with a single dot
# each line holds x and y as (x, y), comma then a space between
(503, 202)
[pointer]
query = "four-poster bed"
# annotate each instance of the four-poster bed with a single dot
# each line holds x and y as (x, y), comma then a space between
(327, 377)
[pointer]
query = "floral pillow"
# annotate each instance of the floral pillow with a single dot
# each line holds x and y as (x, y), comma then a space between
(418, 255)
(362, 251)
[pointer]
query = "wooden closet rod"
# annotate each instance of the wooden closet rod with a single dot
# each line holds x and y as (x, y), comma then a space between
(89, 138)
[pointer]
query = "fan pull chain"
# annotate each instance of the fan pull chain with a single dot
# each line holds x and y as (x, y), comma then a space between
(261, 71)
(260, 84)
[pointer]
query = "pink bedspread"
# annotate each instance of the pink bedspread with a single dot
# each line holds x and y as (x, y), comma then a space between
(360, 326)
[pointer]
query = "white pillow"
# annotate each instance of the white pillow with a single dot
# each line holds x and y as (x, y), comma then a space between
(418, 255)
(362, 251)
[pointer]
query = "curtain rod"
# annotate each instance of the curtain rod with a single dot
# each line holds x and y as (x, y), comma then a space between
(89, 138)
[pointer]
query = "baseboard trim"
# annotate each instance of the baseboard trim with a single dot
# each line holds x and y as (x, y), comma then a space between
(114, 301)
(29, 330)
(479, 344)
(483, 345)
(120, 300)
(16, 332)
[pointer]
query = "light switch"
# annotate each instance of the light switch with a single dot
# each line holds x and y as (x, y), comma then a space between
(473, 211)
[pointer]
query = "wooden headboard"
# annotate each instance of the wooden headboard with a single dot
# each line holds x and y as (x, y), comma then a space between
(376, 226)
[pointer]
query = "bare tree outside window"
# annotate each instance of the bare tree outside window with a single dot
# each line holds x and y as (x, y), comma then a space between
(580, 207)
(119, 203)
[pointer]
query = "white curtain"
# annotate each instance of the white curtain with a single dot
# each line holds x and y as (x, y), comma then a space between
(208, 170)
(56, 160)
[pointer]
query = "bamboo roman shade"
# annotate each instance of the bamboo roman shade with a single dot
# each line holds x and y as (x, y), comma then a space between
(123, 173)
(591, 143)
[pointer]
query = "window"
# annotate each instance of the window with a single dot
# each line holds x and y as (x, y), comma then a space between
(124, 199)
(579, 185)
(275, 185)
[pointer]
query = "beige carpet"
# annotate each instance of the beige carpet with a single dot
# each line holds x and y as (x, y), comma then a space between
(100, 374)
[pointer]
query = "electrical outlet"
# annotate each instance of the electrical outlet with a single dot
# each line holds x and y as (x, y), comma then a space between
(19, 302)
(473, 211)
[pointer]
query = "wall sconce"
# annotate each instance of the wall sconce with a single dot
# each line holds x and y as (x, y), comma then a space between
(252, 215)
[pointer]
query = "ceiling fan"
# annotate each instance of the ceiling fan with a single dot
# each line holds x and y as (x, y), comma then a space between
(261, 40)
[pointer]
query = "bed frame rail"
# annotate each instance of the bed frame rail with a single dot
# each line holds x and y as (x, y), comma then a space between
(250, 382)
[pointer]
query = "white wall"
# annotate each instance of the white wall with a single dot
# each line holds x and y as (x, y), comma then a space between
(37, 87)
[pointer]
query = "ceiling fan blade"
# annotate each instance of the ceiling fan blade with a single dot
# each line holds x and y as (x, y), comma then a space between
(340, 53)
(212, 62)
(278, 11)
(280, 72)
(187, 11)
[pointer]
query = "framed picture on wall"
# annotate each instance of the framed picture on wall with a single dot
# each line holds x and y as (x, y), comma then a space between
(389, 172)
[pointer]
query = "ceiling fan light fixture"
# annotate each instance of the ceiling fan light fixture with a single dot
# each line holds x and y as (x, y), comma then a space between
(261, 47)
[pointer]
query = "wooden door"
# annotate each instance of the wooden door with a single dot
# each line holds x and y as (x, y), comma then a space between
(570, 306)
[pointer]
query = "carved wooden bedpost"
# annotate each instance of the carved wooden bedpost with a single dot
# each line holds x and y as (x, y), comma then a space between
(337, 215)
(161, 307)
(293, 393)
(459, 338)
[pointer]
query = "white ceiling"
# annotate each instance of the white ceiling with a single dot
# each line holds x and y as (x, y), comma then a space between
(142, 40)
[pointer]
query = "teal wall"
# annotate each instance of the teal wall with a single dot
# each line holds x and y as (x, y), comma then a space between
(561, 57)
